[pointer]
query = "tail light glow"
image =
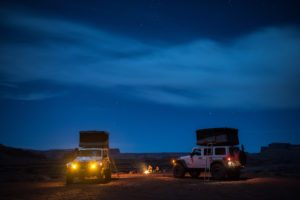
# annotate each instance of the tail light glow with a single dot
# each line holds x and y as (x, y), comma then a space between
(228, 158)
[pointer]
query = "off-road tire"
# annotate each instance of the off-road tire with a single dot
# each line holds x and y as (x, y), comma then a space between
(100, 178)
(194, 174)
(178, 171)
(217, 171)
(107, 175)
(69, 179)
(234, 175)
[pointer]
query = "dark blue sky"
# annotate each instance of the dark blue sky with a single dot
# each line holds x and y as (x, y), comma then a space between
(149, 72)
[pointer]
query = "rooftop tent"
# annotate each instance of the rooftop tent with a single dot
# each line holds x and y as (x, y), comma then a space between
(217, 136)
(93, 139)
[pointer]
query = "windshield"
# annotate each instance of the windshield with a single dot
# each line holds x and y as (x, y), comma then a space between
(89, 153)
(197, 152)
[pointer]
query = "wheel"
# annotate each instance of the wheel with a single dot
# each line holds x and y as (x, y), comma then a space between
(178, 171)
(235, 175)
(107, 175)
(194, 174)
(217, 171)
(100, 178)
(69, 179)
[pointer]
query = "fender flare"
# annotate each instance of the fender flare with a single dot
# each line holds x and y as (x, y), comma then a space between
(181, 162)
(216, 162)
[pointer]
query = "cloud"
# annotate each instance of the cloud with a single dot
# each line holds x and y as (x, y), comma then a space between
(258, 70)
(30, 91)
(29, 96)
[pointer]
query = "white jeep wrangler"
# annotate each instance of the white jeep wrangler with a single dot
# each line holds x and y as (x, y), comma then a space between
(220, 161)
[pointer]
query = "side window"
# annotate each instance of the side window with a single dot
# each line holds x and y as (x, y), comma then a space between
(207, 152)
(220, 151)
(197, 152)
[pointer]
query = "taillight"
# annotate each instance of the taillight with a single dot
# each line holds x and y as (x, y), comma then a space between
(228, 158)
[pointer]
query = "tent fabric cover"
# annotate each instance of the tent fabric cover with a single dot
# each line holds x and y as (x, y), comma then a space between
(93, 139)
(217, 136)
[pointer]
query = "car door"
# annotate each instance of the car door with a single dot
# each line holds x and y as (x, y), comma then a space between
(197, 158)
(207, 157)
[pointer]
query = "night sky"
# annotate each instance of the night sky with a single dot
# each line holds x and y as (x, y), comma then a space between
(148, 72)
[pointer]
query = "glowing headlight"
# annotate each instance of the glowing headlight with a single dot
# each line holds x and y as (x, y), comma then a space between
(93, 165)
(146, 172)
(74, 166)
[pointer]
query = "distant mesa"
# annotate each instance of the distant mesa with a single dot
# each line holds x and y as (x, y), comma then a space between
(11, 152)
(279, 147)
(115, 151)
(281, 153)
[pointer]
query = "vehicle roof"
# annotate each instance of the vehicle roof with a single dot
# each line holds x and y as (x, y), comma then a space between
(86, 149)
(213, 147)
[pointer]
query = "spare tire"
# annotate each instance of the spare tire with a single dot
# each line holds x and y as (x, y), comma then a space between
(243, 157)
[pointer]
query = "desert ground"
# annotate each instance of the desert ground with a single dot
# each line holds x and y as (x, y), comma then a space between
(272, 174)
(159, 186)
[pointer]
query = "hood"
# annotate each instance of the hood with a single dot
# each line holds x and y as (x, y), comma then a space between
(87, 158)
(183, 157)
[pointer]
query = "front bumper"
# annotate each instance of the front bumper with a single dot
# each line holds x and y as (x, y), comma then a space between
(82, 170)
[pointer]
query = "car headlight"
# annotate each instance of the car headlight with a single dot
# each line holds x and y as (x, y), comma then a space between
(93, 165)
(74, 166)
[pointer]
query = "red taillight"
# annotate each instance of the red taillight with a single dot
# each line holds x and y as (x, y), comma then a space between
(228, 158)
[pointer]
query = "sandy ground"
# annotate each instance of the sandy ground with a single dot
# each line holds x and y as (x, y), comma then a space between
(155, 187)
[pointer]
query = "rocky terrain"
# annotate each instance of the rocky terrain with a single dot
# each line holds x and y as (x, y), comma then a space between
(277, 159)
